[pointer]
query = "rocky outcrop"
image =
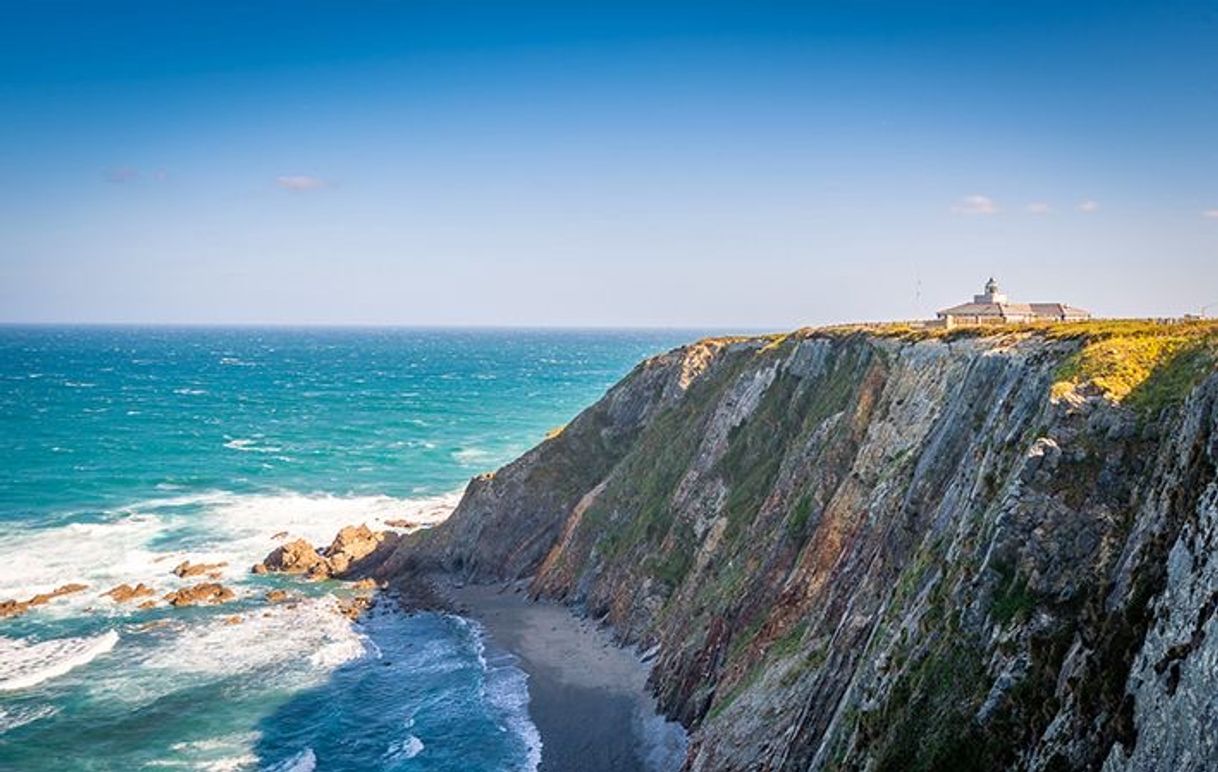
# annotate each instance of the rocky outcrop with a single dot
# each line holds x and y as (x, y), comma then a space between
(886, 550)
(355, 551)
(295, 557)
(125, 592)
(206, 593)
(12, 608)
(187, 569)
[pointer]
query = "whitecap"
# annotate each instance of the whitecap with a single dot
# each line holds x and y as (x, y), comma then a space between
(251, 446)
(408, 748)
(11, 718)
(24, 664)
(305, 761)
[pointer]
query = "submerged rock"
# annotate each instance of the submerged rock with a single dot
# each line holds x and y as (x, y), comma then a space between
(211, 593)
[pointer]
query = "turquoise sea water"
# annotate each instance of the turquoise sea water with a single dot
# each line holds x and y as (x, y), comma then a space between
(124, 451)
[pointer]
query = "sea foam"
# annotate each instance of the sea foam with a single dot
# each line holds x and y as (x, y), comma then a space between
(24, 664)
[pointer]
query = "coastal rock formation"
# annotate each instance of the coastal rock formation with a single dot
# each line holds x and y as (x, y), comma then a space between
(356, 550)
(12, 608)
(125, 592)
(187, 569)
(889, 549)
(351, 544)
(211, 593)
(295, 557)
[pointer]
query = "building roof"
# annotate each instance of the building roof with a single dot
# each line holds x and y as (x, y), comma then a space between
(995, 304)
(989, 309)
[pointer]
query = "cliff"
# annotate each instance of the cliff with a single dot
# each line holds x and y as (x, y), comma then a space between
(891, 549)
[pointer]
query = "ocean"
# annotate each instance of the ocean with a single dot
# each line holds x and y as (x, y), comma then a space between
(124, 451)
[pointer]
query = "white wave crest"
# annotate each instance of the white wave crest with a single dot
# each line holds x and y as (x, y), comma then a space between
(305, 761)
(24, 664)
(11, 718)
(215, 526)
(404, 749)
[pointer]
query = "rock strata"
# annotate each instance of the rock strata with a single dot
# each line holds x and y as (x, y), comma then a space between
(889, 551)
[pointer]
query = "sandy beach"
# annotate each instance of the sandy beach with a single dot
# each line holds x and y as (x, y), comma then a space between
(587, 696)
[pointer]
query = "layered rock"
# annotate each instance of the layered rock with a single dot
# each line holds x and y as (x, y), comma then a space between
(868, 550)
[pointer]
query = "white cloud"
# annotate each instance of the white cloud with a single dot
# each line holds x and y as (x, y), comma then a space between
(1038, 207)
(1088, 205)
(1211, 214)
(975, 204)
(300, 182)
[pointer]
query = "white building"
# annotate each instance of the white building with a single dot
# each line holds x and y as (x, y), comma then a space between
(994, 307)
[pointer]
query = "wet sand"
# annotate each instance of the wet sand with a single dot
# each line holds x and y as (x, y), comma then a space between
(587, 696)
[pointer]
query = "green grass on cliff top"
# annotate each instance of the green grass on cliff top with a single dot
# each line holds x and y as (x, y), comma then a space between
(1147, 364)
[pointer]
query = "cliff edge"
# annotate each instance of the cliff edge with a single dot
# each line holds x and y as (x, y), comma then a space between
(890, 549)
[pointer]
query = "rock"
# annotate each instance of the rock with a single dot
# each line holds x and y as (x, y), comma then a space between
(125, 592)
(147, 604)
(235, 619)
(296, 557)
(353, 607)
(186, 568)
(276, 596)
(280, 535)
(211, 593)
(350, 545)
(12, 608)
(364, 584)
(401, 524)
(259, 568)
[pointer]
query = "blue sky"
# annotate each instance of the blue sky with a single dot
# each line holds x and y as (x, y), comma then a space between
(695, 164)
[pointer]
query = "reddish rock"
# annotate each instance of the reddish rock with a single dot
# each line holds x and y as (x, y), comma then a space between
(125, 592)
(296, 557)
(276, 596)
(186, 568)
(211, 593)
(12, 608)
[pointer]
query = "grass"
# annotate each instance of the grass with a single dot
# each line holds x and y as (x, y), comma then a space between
(1146, 364)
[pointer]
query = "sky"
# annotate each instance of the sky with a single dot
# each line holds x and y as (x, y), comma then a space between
(730, 165)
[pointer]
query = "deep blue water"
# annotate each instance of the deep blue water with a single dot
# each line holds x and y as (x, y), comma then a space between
(126, 450)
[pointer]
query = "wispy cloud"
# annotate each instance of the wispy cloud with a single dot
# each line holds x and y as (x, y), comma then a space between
(121, 174)
(975, 204)
(1211, 214)
(1039, 207)
(1088, 205)
(300, 182)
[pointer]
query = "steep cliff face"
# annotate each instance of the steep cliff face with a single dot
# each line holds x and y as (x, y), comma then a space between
(865, 550)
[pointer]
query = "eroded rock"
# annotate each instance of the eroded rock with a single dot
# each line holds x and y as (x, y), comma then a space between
(186, 569)
(12, 608)
(125, 592)
(209, 593)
